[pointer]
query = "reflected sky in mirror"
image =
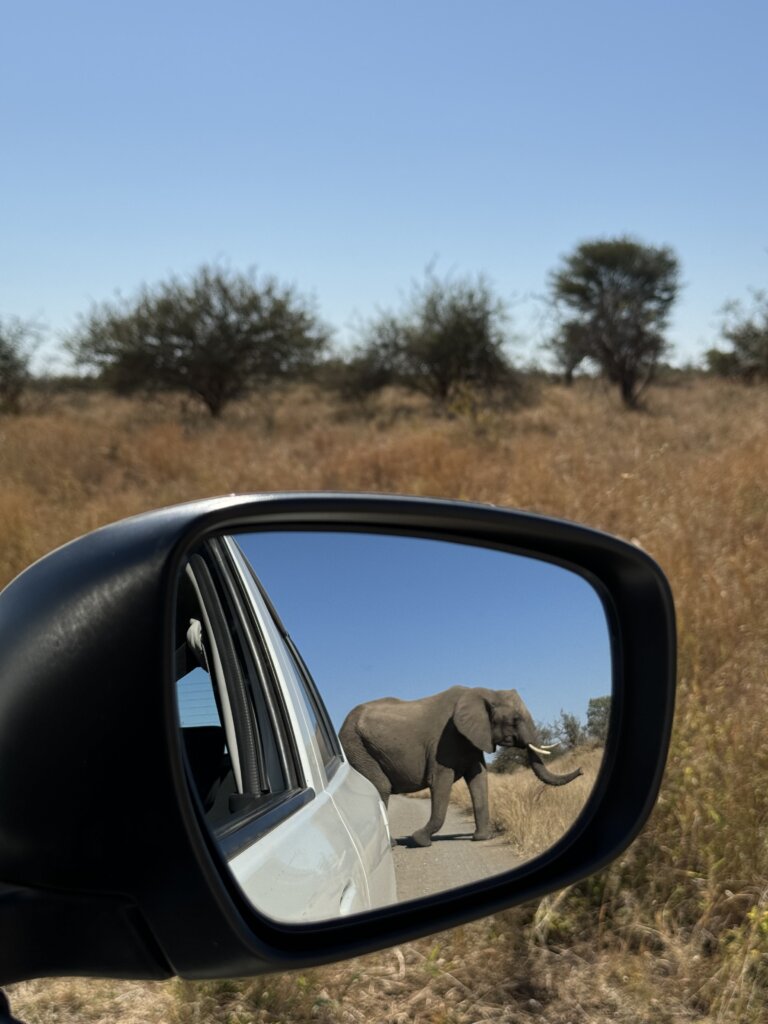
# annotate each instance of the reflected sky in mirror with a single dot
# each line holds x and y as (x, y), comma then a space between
(377, 615)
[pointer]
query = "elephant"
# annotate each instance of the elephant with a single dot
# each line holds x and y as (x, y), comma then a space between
(402, 746)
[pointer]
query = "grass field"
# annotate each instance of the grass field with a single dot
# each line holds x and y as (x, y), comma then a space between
(530, 815)
(677, 930)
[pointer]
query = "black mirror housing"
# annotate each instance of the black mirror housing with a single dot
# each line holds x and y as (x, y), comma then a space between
(105, 866)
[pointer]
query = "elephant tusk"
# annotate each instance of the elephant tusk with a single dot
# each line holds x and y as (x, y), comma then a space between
(539, 750)
(549, 746)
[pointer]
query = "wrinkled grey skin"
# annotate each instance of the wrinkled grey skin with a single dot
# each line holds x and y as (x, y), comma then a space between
(402, 746)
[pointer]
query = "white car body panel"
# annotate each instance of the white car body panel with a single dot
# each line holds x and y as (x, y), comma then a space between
(360, 807)
(304, 869)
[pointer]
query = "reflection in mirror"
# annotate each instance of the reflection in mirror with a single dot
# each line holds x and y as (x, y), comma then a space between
(370, 718)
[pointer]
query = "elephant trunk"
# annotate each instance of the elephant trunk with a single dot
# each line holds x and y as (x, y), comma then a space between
(544, 774)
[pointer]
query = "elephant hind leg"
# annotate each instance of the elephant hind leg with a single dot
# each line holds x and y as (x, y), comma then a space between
(371, 769)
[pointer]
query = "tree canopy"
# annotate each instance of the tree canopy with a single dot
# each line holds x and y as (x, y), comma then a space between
(618, 293)
(450, 334)
(215, 336)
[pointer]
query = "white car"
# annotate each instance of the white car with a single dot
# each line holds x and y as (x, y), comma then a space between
(305, 835)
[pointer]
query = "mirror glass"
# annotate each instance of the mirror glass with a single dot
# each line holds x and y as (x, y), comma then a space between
(370, 718)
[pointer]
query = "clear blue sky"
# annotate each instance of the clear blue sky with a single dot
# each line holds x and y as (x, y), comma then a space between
(345, 145)
(378, 616)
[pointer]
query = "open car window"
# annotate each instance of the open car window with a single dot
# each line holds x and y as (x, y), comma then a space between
(237, 742)
(317, 717)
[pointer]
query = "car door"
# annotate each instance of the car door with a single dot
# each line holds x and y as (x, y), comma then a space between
(256, 760)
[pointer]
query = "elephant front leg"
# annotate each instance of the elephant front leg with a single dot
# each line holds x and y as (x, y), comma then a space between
(477, 780)
(440, 790)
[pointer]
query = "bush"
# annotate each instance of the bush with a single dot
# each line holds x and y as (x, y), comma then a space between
(215, 336)
(15, 355)
(747, 333)
(450, 337)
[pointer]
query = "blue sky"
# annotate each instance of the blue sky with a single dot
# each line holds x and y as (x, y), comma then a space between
(381, 616)
(344, 146)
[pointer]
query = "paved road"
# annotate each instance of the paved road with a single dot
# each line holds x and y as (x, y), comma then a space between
(452, 859)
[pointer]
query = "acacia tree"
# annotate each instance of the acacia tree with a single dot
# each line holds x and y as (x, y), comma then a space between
(619, 294)
(215, 336)
(15, 355)
(451, 334)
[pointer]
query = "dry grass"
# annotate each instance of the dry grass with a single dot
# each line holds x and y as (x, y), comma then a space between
(677, 930)
(503, 969)
(533, 816)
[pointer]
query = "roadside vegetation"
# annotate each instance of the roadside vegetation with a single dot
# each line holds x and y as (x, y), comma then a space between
(16, 346)
(745, 331)
(677, 929)
(531, 816)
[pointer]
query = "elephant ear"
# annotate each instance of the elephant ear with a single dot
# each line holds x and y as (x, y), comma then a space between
(472, 717)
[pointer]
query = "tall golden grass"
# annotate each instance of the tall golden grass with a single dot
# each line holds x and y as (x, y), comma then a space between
(677, 929)
(532, 816)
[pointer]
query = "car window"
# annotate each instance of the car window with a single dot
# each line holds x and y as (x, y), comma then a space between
(204, 708)
(288, 662)
(277, 743)
(238, 756)
(325, 735)
(197, 705)
(317, 713)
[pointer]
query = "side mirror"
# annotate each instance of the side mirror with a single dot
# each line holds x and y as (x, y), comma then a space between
(233, 729)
